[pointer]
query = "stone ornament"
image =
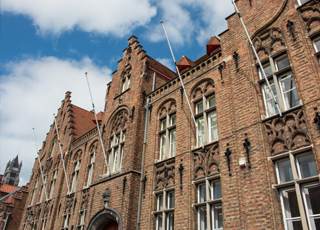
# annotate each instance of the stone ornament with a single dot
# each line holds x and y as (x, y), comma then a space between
(165, 174)
(310, 13)
(287, 133)
(206, 161)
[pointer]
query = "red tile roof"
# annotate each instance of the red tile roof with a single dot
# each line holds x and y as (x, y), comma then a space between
(6, 188)
(83, 120)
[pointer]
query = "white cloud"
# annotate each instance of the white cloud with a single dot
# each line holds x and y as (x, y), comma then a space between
(29, 95)
(167, 62)
(117, 17)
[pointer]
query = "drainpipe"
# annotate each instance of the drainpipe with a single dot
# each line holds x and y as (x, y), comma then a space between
(142, 175)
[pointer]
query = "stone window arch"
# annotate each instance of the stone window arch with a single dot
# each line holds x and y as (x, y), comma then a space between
(204, 101)
(91, 163)
(76, 165)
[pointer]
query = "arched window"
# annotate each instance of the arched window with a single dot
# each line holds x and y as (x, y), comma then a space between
(117, 142)
(125, 79)
(75, 171)
(91, 163)
(167, 130)
(205, 113)
(53, 147)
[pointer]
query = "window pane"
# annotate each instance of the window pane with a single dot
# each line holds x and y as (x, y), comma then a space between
(267, 70)
(201, 193)
(291, 210)
(163, 124)
(211, 102)
(199, 107)
(159, 222)
(172, 140)
(172, 119)
(170, 221)
(311, 195)
(271, 108)
(288, 88)
(200, 131)
(216, 187)
(303, 1)
(202, 218)
(159, 202)
(162, 146)
(213, 129)
(316, 43)
(282, 62)
(307, 165)
(170, 200)
(217, 216)
(284, 170)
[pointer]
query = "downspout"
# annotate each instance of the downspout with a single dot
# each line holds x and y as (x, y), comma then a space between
(142, 175)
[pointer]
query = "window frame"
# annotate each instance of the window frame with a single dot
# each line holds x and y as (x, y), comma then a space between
(275, 80)
(204, 115)
(307, 205)
(302, 3)
(165, 151)
(90, 167)
(116, 149)
(314, 42)
(75, 175)
(164, 212)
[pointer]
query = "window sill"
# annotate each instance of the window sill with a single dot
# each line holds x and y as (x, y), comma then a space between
(267, 118)
(164, 160)
(195, 148)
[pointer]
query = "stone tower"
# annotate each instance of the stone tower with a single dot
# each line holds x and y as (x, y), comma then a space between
(12, 172)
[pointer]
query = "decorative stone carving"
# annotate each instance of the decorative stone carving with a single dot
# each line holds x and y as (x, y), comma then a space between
(203, 87)
(106, 198)
(167, 108)
(268, 41)
(206, 161)
(120, 120)
(288, 132)
(69, 203)
(85, 199)
(310, 13)
(165, 174)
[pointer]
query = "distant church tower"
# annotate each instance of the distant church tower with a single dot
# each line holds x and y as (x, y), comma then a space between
(12, 172)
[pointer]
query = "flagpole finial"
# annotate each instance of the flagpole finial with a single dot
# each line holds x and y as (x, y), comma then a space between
(86, 73)
(161, 21)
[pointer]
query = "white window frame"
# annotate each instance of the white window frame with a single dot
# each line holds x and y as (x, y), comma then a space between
(53, 183)
(307, 204)
(301, 3)
(43, 189)
(75, 175)
(125, 83)
(33, 197)
(275, 80)
(65, 223)
(208, 136)
(90, 168)
(168, 148)
(115, 155)
(82, 218)
(208, 204)
(314, 41)
(162, 209)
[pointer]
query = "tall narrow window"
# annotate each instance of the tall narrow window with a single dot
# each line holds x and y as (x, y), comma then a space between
(116, 152)
(54, 146)
(53, 183)
(282, 83)
(293, 170)
(81, 223)
(164, 213)
(167, 136)
(34, 192)
(66, 219)
(75, 175)
(125, 82)
(209, 205)
(316, 44)
(206, 119)
(90, 167)
(43, 189)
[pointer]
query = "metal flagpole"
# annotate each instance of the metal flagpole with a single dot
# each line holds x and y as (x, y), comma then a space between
(97, 123)
(41, 171)
(178, 71)
(61, 153)
(257, 56)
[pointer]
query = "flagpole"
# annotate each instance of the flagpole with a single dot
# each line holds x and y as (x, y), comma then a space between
(61, 153)
(179, 74)
(97, 123)
(257, 56)
(41, 171)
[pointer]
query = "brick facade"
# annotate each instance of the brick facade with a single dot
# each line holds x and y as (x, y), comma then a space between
(244, 158)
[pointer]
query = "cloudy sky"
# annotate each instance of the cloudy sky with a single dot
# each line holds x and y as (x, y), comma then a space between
(47, 45)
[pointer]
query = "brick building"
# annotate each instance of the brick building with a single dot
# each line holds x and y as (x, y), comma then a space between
(237, 165)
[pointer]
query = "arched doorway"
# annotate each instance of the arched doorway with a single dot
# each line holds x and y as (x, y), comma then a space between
(108, 219)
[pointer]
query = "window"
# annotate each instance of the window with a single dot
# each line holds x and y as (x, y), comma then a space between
(206, 119)
(282, 84)
(90, 167)
(301, 2)
(34, 191)
(44, 223)
(54, 146)
(164, 213)
(81, 220)
(209, 205)
(316, 44)
(125, 82)
(65, 224)
(116, 152)
(293, 170)
(75, 175)
(167, 136)
(53, 183)
(43, 189)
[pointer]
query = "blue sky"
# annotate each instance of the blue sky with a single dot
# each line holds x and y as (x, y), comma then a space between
(47, 45)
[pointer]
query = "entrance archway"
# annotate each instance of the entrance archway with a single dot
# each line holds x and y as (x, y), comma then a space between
(107, 219)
